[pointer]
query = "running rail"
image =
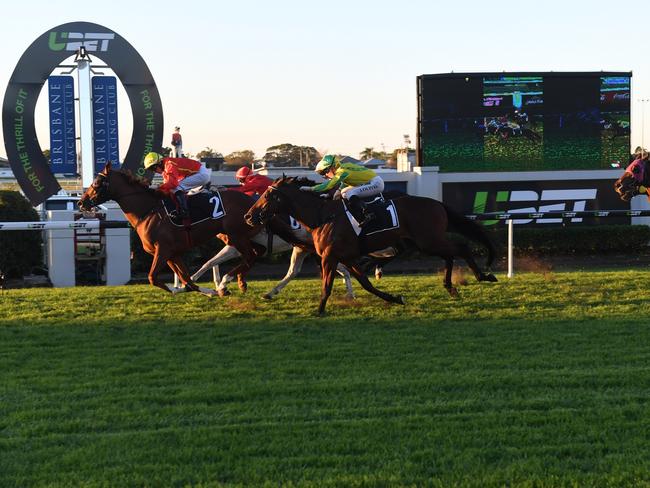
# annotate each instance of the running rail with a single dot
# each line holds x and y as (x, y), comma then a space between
(508, 217)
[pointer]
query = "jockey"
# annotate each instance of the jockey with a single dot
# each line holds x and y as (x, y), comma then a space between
(180, 175)
(251, 183)
(356, 182)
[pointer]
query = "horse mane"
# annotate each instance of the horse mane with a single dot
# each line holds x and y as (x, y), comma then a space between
(139, 181)
(296, 181)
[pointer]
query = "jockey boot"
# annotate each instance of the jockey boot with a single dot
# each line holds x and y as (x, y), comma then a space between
(358, 207)
(181, 200)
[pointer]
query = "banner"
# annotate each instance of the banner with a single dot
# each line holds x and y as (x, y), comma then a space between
(105, 133)
(63, 138)
(34, 67)
(536, 196)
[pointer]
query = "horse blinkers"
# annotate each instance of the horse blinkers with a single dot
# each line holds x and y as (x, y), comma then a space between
(98, 196)
(265, 208)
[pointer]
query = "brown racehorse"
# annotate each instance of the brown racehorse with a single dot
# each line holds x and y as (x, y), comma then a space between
(160, 237)
(423, 221)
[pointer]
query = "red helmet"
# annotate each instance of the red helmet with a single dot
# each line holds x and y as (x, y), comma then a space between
(243, 172)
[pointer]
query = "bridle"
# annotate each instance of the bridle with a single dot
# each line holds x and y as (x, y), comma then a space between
(100, 185)
(271, 189)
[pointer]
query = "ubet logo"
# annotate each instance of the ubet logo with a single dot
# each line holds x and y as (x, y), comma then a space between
(575, 199)
(72, 41)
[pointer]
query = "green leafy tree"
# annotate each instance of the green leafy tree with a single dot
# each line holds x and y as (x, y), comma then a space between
(19, 250)
(286, 155)
(240, 158)
(367, 153)
(208, 152)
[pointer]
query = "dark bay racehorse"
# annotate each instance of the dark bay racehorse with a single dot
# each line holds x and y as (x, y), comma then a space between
(635, 175)
(423, 221)
(167, 242)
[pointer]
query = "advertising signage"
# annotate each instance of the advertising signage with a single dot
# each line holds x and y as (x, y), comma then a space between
(105, 133)
(524, 121)
(63, 137)
(35, 66)
(536, 196)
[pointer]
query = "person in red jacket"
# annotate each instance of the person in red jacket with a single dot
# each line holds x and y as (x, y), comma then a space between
(251, 183)
(180, 175)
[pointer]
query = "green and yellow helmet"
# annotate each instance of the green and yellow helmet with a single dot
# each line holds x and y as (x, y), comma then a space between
(152, 159)
(328, 161)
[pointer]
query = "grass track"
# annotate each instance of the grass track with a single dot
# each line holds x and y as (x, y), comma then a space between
(540, 381)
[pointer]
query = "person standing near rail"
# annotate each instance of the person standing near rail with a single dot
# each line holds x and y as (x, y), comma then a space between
(177, 143)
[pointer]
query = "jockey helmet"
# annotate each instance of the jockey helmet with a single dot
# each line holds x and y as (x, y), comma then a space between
(324, 165)
(243, 173)
(152, 159)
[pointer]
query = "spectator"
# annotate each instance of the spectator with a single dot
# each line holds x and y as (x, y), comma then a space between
(177, 143)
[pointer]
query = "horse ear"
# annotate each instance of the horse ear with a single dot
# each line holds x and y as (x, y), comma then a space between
(107, 167)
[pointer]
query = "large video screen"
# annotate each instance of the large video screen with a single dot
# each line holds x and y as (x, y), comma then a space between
(524, 121)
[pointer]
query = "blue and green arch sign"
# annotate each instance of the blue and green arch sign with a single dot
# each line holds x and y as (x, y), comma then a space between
(37, 63)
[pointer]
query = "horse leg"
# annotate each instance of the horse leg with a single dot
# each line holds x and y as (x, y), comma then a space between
(298, 256)
(449, 266)
(178, 266)
(343, 271)
(156, 265)
(464, 252)
(358, 273)
(241, 282)
(248, 258)
(329, 269)
(226, 254)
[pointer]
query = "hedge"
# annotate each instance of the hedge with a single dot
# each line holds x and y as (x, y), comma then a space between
(20, 251)
(574, 240)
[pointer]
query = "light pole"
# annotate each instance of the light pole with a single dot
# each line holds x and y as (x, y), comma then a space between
(643, 102)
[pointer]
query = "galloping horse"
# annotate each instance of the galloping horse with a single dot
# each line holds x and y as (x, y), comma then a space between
(636, 174)
(167, 242)
(423, 221)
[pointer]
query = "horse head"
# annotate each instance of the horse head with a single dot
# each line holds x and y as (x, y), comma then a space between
(283, 196)
(627, 186)
(98, 192)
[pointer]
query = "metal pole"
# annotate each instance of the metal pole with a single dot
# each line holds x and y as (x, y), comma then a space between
(85, 118)
(511, 231)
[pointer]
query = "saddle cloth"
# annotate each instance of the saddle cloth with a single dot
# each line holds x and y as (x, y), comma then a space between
(385, 216)
(202, 206)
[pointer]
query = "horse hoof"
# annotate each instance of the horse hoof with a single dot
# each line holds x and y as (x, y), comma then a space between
(223, 292)
(401, 300)
(267, 296)
(378, 275)
(243, 287)
(491, 278)
(453, 292)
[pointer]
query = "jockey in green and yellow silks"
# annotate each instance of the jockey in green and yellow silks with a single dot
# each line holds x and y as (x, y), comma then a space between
(355, 181)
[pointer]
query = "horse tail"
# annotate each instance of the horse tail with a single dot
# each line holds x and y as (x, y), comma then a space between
(471, 230)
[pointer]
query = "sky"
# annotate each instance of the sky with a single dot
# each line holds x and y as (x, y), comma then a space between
(336, 75)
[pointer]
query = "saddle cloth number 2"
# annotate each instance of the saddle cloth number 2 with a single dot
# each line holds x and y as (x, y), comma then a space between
(217, 210)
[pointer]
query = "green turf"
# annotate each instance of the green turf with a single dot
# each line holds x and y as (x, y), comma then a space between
(539, 381)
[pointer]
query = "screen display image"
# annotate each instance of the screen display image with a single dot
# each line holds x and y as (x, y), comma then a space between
(524, 121)
(513, 124)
